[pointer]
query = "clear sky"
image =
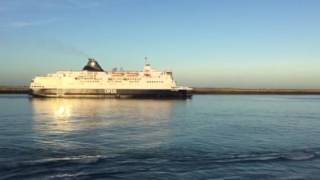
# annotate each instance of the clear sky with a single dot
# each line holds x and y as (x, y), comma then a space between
(218, 43)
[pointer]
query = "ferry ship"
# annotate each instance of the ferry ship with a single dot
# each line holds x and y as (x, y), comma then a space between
(93, 81)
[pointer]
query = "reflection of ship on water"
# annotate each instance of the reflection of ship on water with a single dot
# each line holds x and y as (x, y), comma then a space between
(78, 114)
(94, 124)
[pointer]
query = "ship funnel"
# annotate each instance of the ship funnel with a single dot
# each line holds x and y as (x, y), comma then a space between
(92, 65)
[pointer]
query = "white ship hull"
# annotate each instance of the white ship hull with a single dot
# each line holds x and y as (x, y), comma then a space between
(113, 93)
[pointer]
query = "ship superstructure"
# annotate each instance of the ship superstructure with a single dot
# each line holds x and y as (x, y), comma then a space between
(93, 81)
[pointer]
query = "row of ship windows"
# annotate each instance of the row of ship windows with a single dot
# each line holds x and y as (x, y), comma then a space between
(109, 81)
(84, 78)
(34, 86)
(154, 81)
(129, 79)
(95, 81)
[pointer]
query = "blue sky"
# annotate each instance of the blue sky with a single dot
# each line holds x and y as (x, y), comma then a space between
(217, 43)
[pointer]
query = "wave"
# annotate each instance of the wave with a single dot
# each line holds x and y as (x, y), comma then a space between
(297, 155)
(292, 156)
(41, 167)
(190, 156)
(61, 161)
(132, 162)
(79, 159)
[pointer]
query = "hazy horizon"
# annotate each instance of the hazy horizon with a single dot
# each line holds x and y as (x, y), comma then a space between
(208, 43)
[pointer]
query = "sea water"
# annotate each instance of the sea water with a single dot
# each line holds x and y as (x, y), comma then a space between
(206, 137)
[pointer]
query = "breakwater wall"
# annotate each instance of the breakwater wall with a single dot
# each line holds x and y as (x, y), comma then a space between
(14, 90)
(198, 90)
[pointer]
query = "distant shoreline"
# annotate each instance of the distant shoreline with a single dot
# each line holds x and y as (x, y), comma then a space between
(256, 91)
(14, 90)
(200, 90)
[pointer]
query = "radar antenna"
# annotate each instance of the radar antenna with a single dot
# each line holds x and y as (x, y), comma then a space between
(145, 60)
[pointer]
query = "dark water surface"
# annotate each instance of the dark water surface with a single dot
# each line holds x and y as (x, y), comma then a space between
(211, 136)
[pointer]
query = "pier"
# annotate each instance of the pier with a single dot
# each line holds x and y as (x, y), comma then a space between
(262, 91)
(14, 90)
(199, 90)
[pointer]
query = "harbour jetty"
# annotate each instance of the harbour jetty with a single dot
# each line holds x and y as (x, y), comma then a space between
(257, 91)
(14, 90)
(199, 90)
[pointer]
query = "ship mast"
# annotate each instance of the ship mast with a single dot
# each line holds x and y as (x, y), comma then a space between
(145, 60)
